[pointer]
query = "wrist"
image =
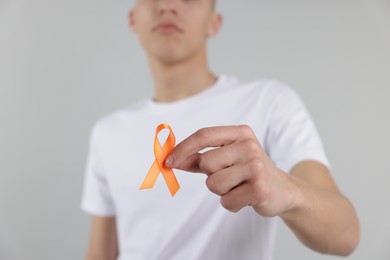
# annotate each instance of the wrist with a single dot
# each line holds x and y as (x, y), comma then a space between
(296, 198)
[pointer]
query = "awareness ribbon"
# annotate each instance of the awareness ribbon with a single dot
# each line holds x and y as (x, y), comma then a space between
(161, 153)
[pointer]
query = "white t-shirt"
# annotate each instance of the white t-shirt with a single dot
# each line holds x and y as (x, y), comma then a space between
(192, 225)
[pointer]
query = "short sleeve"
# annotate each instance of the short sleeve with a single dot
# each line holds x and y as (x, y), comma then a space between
(291, 135)
(96, 198)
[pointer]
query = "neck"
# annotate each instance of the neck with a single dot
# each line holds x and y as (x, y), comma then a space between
(181, 79)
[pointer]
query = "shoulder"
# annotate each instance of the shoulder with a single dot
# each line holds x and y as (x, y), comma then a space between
(267, 89)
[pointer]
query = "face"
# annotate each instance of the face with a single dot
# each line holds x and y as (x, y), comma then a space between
(174, 30)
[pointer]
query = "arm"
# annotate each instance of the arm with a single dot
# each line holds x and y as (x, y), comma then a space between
(323, 219)
(103, 243)
(243, 175)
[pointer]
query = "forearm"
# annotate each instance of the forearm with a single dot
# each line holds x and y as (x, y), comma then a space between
(323, 220)
(103, 244)
(98, 256)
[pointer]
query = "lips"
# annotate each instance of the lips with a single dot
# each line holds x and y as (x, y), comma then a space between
(167, 28)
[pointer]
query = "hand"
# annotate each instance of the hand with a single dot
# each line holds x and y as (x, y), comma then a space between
(238, 169)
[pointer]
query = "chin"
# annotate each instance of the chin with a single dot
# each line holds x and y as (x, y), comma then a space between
(168, 57)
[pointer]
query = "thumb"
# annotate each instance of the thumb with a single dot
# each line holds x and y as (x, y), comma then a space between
(191, 164)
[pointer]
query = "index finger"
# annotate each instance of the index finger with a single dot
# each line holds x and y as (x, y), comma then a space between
(205, 138)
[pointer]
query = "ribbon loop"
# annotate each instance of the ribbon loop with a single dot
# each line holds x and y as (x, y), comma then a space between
(161, 153)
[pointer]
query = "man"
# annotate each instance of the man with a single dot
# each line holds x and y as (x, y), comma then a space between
(255, 144)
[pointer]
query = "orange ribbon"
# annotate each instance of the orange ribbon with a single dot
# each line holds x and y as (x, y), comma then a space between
(158, 166)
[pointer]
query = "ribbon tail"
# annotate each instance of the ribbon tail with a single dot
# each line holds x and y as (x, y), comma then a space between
(151, 177)
(171, 181)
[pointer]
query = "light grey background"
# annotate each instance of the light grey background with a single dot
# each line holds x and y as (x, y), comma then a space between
(65, 63)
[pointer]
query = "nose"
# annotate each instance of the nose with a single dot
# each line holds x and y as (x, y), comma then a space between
(168, 6)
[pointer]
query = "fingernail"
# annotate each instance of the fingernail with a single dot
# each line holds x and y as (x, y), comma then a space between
(169, 161)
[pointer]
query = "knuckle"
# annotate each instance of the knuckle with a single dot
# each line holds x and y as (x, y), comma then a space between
(251, 146)
(259, 188)
(204, 163)
(256, 166)
(246, 130)
(227, 203)
(203, 133)
(211, 184)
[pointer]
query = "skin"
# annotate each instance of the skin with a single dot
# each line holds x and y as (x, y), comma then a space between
(103, 243)
(238, 170)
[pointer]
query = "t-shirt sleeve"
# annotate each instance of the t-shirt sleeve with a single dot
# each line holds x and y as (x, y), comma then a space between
(291, 134)
(96, 198)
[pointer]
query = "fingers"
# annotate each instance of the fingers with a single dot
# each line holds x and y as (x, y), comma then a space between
(238, 198)
(204, 138)
(215, 159)
(223, 181)
(236, 167)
